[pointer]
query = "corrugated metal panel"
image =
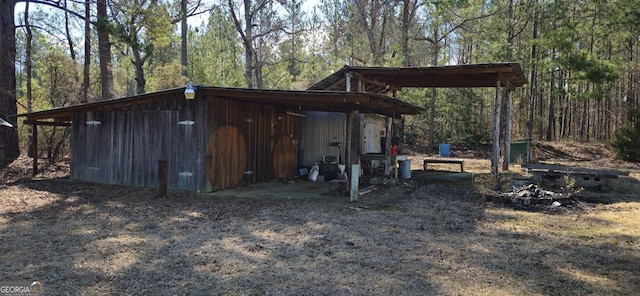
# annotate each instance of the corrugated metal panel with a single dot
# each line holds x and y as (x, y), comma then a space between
(317, 131)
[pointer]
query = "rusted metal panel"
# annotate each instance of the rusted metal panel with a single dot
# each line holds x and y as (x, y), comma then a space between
(320, 134)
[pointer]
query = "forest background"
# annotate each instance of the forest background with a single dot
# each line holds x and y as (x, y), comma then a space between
(580, 57)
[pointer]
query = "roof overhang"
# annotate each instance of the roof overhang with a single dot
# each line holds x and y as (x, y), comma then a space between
(385, 79)
(310, 100)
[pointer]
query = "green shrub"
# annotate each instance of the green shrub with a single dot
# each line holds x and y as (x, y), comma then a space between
(626, 143)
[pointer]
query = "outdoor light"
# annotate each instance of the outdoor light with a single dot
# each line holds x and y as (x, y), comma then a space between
(189, 92)
(5, 123)
(91, 120)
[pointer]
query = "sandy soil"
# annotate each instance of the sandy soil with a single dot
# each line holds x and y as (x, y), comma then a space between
(440, 239)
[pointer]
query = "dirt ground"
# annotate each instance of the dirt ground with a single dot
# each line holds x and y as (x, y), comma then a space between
(437, 239)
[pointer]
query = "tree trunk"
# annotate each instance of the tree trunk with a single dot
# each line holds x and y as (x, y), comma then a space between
(404, 39)
(86, 70)
(8, 78)
(532, 75)
(28, 65)
(183, 36)
(104, 51)
(138, 63)
(67, 30)
(432, 109)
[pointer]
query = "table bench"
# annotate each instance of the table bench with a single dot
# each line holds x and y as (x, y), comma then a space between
(557, 174)
(443, 160)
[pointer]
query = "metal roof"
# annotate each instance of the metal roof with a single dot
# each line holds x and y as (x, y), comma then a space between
(385, 79)
(309, 100)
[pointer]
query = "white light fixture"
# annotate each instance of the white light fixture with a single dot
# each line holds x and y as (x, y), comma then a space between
(5, 123)
(91, 120)
(189, 92)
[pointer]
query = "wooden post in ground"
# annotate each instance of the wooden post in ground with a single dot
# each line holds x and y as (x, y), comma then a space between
(495, 155)
(34, 136)
(508, 128)
(355, 180)
(162, 178)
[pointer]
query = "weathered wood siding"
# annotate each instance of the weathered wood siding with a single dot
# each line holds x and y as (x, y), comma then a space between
(248, 143)
(126, 146)
(230, 143)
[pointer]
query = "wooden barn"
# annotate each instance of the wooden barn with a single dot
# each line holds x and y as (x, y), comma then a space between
(227, 137)
(222, 138)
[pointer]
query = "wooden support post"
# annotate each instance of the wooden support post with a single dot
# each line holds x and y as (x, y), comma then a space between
(388, 130)
(508, 128)
(162, 178)
(347, 139)
(352, 145)
(355, 180)
(34, 137)
(495, 155)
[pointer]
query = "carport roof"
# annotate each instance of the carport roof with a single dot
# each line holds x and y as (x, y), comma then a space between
(385, 79)
(309, 100)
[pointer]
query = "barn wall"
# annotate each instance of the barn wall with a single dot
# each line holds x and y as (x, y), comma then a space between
(127, 144)
(317, 131)
(246, 143)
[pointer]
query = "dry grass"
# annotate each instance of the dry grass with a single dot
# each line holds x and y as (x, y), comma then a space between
(443, 239)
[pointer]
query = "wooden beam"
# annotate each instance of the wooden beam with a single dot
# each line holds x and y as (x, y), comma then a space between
(508, 128)
(387, 146)
(355, 181)
(47, 123)
(34, 136)
(506, 81)
(495, 155)
(362, 78)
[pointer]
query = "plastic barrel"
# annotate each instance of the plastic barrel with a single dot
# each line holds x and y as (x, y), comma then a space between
(445, 150)
(405, 169)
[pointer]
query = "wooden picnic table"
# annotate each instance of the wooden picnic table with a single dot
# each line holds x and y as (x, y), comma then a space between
(558, 173)
(443, 160)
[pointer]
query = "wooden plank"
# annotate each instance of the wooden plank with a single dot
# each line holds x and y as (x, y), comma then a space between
(508, 127)
(47, 123)
(355, 181)
(34, 136)
(569, 169)
(495, 154)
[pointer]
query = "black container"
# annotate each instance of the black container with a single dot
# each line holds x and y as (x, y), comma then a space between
(329, 171)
